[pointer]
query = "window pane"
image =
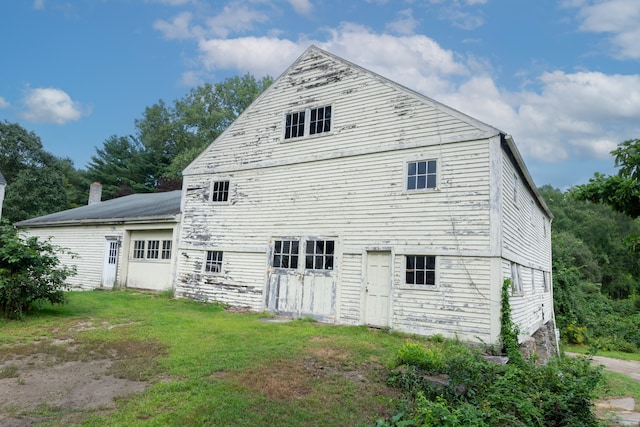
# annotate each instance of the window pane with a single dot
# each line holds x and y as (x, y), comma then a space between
(422, 181)
(329, 247)
(319, 246)
(411, 183)
(432, 166)
(431, 181)
(412, 168)
(294, 247)
(328, 263)
(277, 262)
(422, 168)
(318, 263)
(431, 262)
(410, 278)
(278, 246)
(411, 262)
(308, 262)
(431, 278)
(285, 261)
(294, 261)
(420, 277)
(286, 245)
(420, 262)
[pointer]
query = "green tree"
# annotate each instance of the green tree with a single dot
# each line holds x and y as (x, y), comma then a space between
(34, 176)
(122, 167)
(76, 184)
(30, 273)
(174, 136)
(621, 191)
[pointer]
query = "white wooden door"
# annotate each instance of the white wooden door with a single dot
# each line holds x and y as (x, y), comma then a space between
(110, 264)
(378, 288)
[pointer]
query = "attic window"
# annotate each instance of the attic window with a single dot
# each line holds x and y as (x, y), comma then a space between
(312, 121)
(220, 191)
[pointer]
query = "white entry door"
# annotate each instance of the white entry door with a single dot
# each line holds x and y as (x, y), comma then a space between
(110, 264)
(378, 288)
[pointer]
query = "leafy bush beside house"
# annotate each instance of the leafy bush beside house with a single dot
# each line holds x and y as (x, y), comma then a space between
(30, 273)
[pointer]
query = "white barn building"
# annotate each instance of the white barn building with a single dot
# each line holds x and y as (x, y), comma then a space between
(343, 196)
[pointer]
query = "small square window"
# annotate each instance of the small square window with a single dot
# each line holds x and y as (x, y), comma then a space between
(285, 254)
(420, 270)
(138, 249)
(220, 191)
(213, 264)
(421, 175)
(319, 254)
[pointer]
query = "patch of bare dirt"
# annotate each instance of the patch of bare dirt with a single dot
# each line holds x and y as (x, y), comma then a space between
(36, 386)
(63, 381)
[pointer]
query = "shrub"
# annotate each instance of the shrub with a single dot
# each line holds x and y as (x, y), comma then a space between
(30, 273)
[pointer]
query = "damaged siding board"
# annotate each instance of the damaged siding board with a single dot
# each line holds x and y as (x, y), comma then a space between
(351, 289)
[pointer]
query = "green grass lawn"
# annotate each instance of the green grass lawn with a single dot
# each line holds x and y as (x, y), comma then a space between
(581, 349)
(208, 366)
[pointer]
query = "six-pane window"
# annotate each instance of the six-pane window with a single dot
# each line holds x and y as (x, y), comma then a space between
(421, 175)
(220, 191)
(138, 249)
(320, 120)
(319, 254)
(213, 263)
(421, 270)
(294, 126)
(285, 254)
(153, 247)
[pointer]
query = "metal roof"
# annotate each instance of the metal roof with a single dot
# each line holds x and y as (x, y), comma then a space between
(158, 206)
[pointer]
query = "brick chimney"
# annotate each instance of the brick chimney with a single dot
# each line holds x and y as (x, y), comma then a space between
(95, 193)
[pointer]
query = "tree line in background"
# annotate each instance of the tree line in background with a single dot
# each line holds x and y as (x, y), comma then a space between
(167, 139)
(595, 232)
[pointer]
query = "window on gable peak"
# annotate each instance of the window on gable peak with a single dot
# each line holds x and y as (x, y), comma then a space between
(421, 175)
(312, 121)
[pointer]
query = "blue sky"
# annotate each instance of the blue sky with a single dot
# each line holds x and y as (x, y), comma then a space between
(562, 77)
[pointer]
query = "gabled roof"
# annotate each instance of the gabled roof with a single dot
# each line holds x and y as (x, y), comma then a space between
(2, 180)
(484, 130)
(132, 208)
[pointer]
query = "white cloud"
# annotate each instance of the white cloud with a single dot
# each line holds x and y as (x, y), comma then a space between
(4, 103)
(178, 28)
(235, 18)
(303, 7)
(619, 18)
(38, 4)
(51, 105)
(404, 24)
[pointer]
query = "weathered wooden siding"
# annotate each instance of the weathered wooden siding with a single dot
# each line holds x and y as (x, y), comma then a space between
(87, 242)
(459, 306)
(349, 186)
(526, 242)
(368, 115)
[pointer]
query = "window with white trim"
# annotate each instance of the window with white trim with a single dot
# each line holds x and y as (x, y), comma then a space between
(319, 254)
(153, 248)
(138, 249)
(219, 191)
(421, 175)
(420, 270)
(213, 262)
(150, 249)
(285, 254)
(312, 121)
